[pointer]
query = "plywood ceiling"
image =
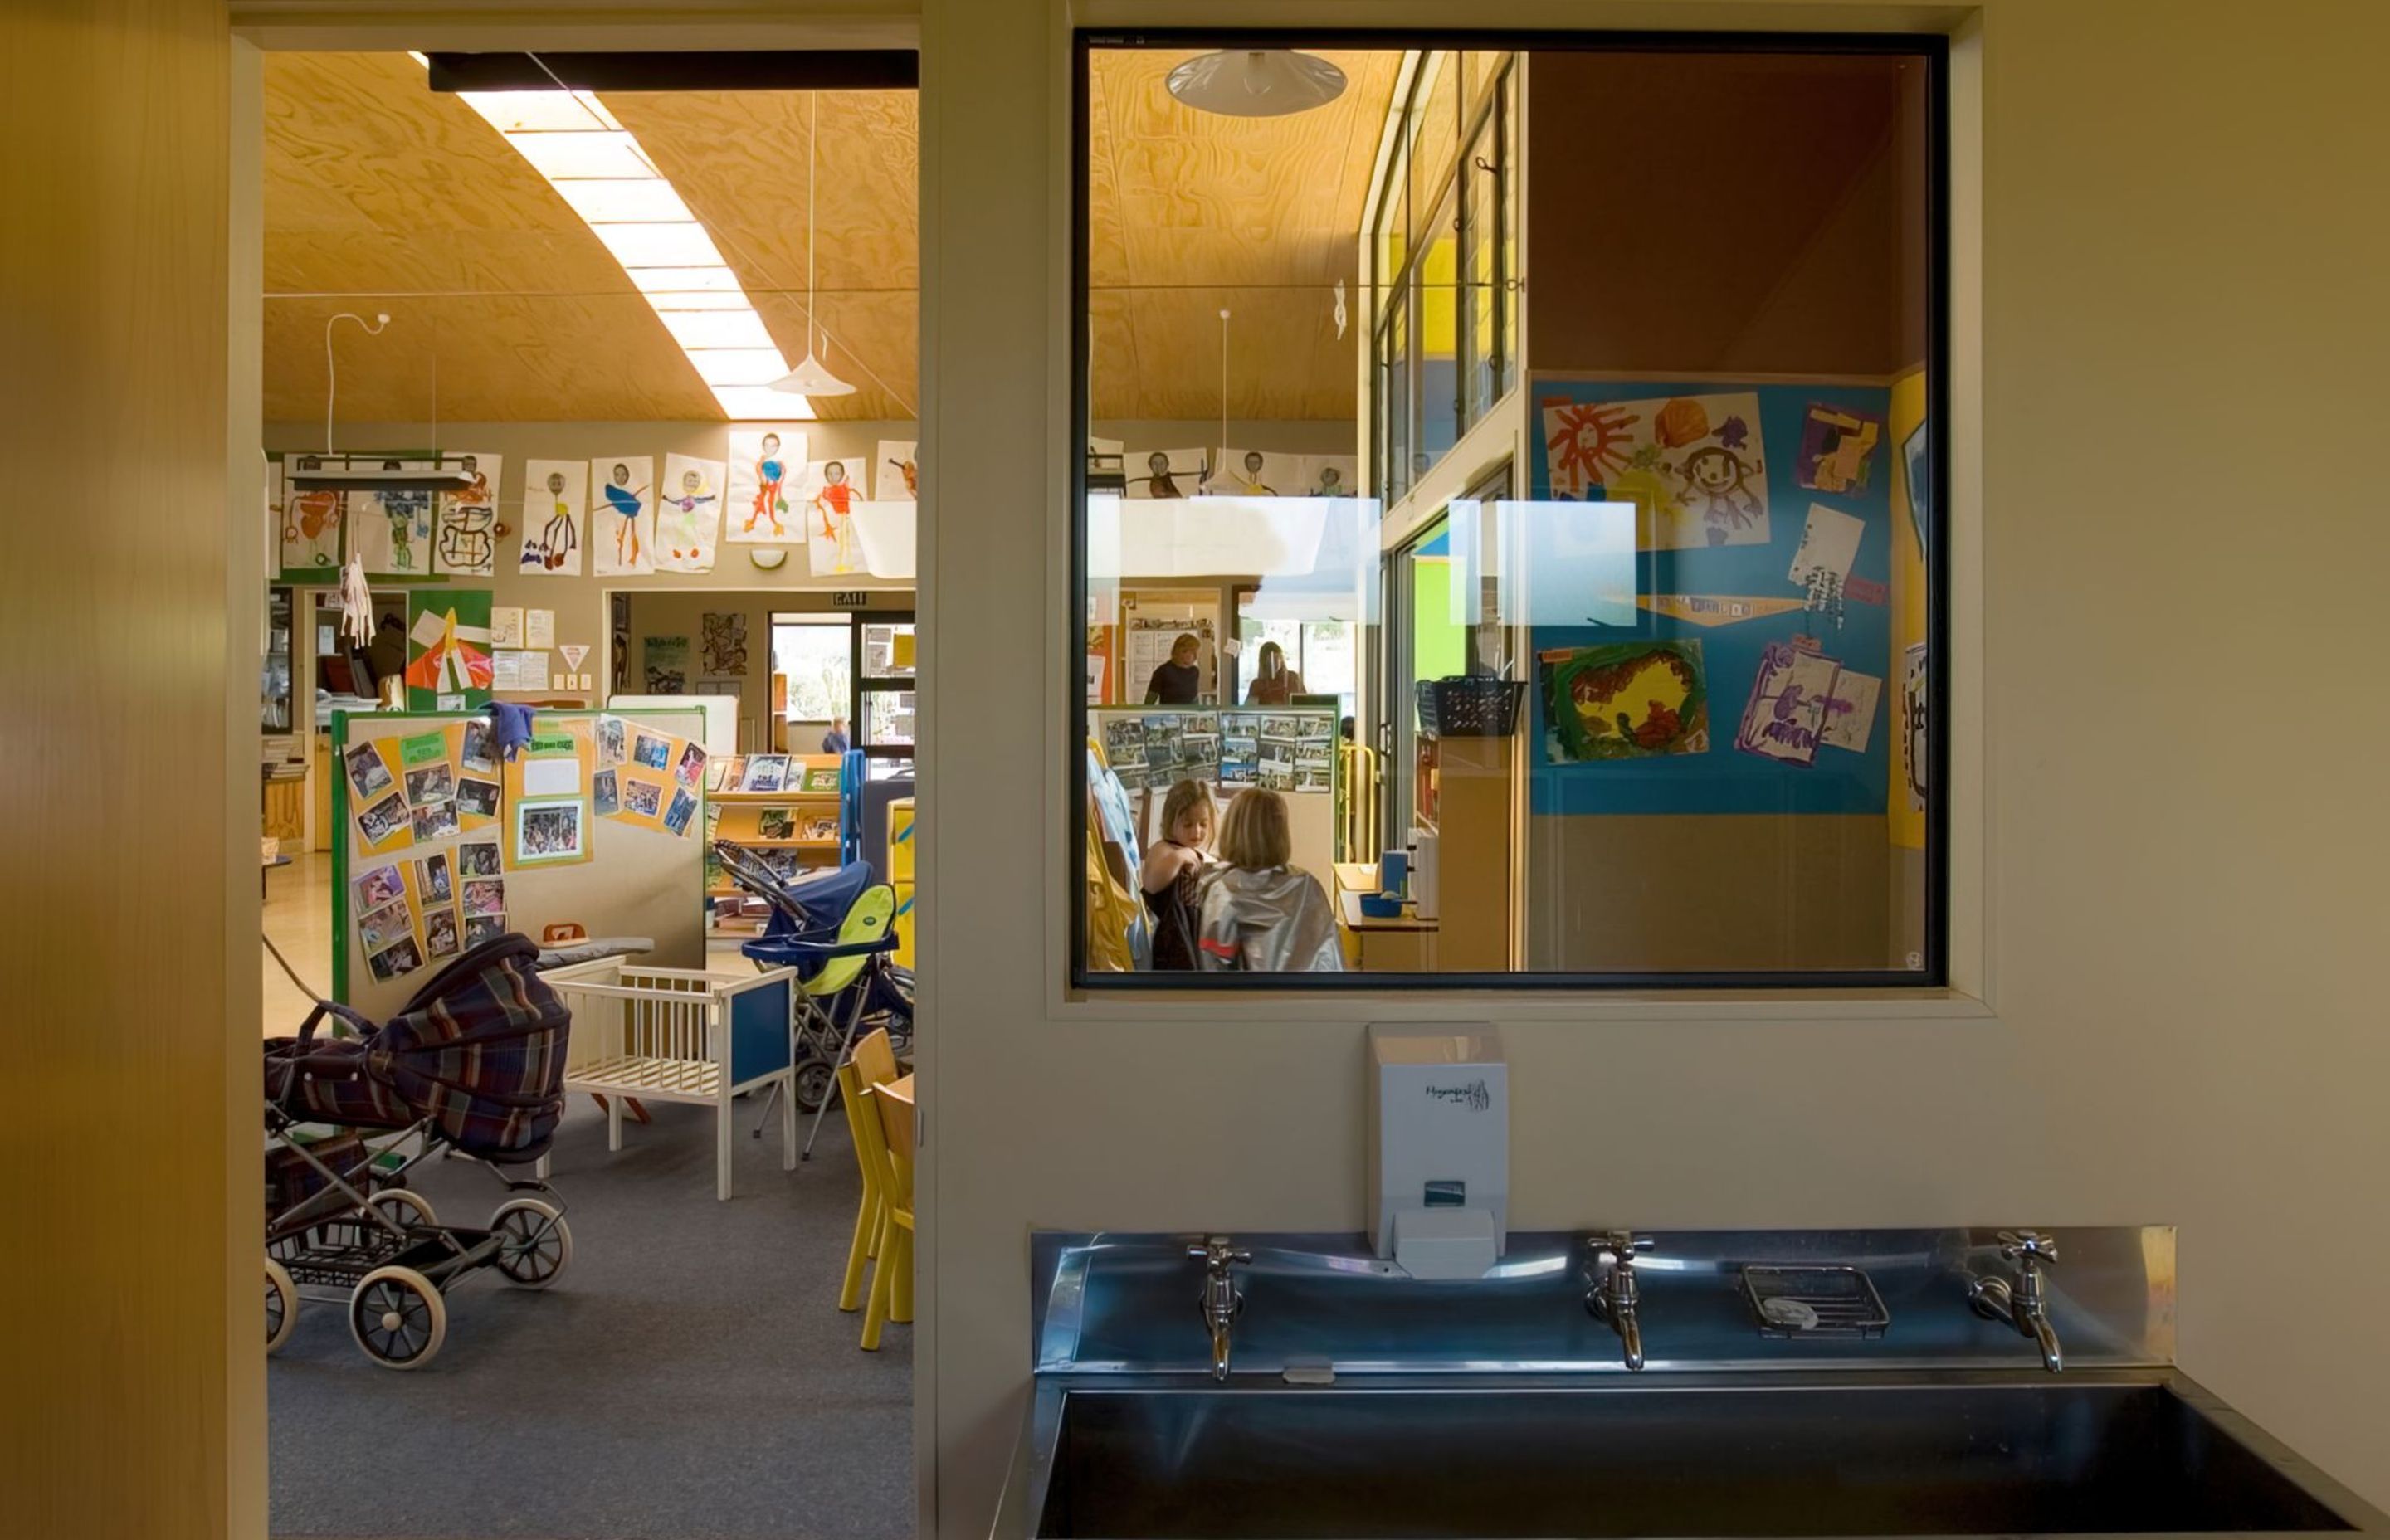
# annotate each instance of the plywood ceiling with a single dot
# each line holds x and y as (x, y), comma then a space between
(381, 194)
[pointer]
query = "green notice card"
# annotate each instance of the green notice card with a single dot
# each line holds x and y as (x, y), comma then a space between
(423, 748)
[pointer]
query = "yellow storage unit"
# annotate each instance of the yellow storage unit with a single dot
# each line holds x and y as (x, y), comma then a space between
(903, 926)
(900, 841)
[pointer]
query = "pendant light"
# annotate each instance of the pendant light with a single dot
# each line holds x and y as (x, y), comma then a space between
(811, 376)
(1256, 83)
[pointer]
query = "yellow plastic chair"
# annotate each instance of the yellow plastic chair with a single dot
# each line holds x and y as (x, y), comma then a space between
(873, 1063)
(892, 1281)
(868, 920)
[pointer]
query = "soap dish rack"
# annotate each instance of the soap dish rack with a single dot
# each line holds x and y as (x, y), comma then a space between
(1811, 1300)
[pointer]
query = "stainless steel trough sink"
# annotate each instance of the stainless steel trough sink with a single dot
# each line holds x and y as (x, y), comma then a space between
(2128, 1453)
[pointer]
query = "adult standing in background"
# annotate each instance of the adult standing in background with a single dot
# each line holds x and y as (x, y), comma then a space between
(1274, 682)
(1179, 681)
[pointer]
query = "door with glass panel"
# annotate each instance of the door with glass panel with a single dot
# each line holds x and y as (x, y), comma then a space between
(884, 681)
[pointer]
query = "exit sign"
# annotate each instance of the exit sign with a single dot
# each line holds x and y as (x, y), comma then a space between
(850, 599)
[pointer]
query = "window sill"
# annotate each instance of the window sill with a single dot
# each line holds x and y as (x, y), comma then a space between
(1620, 1007)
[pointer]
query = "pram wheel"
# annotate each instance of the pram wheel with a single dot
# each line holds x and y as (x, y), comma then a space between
(535, 1246)
(281, 1304)
(405, 1208)
(815, 1079)
(398, 1318)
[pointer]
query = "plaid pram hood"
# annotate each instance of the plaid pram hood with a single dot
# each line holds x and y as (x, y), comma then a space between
(479, 1050)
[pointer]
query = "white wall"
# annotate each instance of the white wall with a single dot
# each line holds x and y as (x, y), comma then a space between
(2172, 514)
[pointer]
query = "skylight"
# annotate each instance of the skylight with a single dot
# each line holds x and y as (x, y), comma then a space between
(600, 169)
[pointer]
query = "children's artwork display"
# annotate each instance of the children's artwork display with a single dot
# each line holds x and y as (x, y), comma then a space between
(1257, 473)
(1850, 711)
(688, 514)
(1830, 544)
(465, 544)
(1695, 467)
(309, 525)
(1838, 448)
(1165, 472)
(722, 634)
(1914, 725)
(623, 515)
(895, 476)
(827, 501)
(1330, 476)
(1625, 701)
(390, 531)
(555, 491)
(665, 660)
(1785, 717)
(762, 505)
(449, 665)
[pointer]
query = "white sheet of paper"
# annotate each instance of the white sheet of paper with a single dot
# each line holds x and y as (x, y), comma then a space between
(1829, 543)
(552, 777)
(506, 625)
(539, 628)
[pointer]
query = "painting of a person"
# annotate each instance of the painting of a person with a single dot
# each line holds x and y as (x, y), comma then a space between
(1332, 483)
(1179, 681)
(627, 501)
(834, 502)
(1159, 481)
(1274, 682)
(1250, 483)
(1172, 875)
(1260, 913)
(693, 495)
(770, 471)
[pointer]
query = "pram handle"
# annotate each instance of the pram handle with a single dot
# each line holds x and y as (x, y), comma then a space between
(363, 1023)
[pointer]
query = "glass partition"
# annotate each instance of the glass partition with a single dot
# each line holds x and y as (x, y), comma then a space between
(1441, 630)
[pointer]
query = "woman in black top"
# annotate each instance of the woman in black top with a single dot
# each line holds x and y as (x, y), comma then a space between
(1179, 681)
(1173, 872)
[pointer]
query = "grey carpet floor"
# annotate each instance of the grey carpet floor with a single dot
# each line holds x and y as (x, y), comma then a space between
(690, 1378)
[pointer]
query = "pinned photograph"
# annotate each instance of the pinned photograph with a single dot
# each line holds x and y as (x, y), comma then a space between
(479, 859)
(485, 896)
(397, 960)
(378, 887)
(383, 819)
(385, 925)
(765, 773)
(431, 880)
(481, 927)
(610, 740)
(691, 768)
(644, 799)
(547, 831)
(478, 797)
(367, 772)
(437, 821)
(440, 936)
(433, 783)
(605, 790)
(775, 823)
(478, 755)
(682, 808)
(651, 753)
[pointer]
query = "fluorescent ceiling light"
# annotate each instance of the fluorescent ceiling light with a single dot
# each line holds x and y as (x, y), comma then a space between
(600, 169)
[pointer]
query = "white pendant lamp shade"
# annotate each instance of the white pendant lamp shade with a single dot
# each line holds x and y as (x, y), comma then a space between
(1256, 83)
(811, 378)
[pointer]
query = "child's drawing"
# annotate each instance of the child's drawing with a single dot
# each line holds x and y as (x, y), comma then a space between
(894, 476)
(1253, 473)
(1694, 465)
(1165, 472)
(1913, 723)
(1329, 476)
(688, 514)
(310, 523)
(1918, 478)
(1837, 448)
(554, 493)
(621, 515)
(1787, 710)
(723, 637)
(1830, 543)
(761, 502)
(466, 544)
(830, 497)
(390, 531)
(1850, 711)
(1625, 701)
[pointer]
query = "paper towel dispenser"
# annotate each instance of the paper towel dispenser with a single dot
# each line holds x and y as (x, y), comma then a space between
(1439, 1159)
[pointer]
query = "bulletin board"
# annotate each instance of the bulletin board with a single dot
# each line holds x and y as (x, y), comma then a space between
(438, 845)
(1756, 672)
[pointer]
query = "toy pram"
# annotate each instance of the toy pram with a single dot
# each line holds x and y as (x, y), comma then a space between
(833, 928)
(473, 1066)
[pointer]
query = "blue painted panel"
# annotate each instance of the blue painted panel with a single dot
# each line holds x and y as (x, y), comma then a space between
(759, 1030)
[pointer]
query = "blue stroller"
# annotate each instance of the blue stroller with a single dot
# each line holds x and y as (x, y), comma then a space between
(834, 928)
(473, 1066)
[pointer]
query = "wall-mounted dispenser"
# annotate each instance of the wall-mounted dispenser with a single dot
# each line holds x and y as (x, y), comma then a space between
(1439, 1133)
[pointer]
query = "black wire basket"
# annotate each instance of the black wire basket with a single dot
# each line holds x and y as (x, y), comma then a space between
(1469, 706)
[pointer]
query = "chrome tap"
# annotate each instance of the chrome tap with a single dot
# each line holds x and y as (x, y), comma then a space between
(1613, 1296)
(2021, 1303)
(1222, 1299)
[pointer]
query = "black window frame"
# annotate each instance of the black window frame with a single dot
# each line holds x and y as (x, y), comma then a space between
(1932, 49)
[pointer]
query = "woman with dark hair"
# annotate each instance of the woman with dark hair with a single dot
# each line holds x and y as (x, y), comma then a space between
(1273, 683)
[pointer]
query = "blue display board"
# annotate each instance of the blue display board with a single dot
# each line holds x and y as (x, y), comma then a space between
(1691, 448)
